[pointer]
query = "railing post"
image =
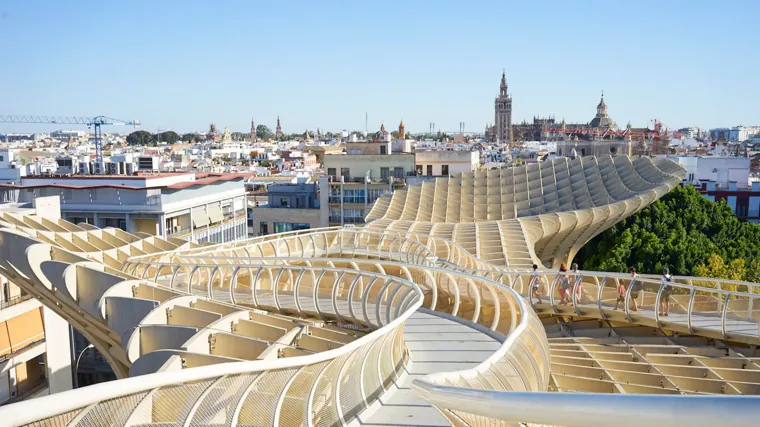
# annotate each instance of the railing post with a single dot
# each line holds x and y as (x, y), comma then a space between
(657, 305)
(693, 293)
(599, 297)
(551, 292)
(723, 316)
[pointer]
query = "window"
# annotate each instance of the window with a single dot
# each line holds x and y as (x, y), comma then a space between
(444, 170)
(2, 159)
(385, 173)
(283, 201)
(383, 149)
(691, 177)
(263, 228)
(331, 172)
(429, 170)
(398, 173)
(419, 169)
(345, 172)
(283, 227)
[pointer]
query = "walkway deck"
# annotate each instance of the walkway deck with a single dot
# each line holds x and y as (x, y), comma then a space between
(435, 344)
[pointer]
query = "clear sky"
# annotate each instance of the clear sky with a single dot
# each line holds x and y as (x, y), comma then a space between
(183, 64)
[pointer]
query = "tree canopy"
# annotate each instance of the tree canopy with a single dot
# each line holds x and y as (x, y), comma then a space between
(169, 137)
(263, 132)
(191, 137)
(140, 137)
(683, 231)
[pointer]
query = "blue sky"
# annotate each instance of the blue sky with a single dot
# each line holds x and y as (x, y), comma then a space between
(182, 64)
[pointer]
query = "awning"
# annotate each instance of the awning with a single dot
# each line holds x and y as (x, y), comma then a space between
(215, 213)
(200, 217)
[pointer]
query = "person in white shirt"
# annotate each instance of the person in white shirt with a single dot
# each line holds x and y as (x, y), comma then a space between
(667, 289)
(535, 284)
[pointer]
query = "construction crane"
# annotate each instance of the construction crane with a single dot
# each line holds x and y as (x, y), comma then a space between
(94, 122)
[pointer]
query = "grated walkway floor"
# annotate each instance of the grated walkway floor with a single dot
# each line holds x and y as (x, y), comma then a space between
(435, 344)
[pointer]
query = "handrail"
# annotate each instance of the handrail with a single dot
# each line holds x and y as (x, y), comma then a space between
(593, 409)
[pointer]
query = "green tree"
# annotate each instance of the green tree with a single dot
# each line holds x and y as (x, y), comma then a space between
(681, 231)
(263, 132)
(190, 137)
(239, 136)
(266, 163)
(169, 137)
(719, 269)
(141, 137)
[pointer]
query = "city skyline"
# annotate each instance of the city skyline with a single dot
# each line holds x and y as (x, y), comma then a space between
(185, 67)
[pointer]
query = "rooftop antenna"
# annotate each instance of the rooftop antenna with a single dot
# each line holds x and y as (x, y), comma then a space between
(366, 123)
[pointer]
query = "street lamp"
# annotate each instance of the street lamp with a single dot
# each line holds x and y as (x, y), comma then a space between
(76, 366)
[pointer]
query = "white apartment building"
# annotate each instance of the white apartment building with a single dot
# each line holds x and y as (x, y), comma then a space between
(720, 170)
(188, 205)
(445, 162)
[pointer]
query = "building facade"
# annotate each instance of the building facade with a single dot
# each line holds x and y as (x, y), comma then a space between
(191, 206)
(354, 181)
(446, 162)
(35, 346)
(289, 207)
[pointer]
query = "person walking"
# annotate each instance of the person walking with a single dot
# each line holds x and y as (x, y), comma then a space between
(535, 284)
(576, 280)
(635, 289)
(564, 285)
(667, 289)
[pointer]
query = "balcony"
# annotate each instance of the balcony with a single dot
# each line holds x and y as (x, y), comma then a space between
(15, 300)
(184, 233)
(749, 214)
(347, 199)
(347, 220)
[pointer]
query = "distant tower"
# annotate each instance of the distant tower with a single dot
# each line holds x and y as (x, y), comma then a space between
(503, 113)
(253, 130)
(212, 133)
(401, 130)
(602, 119)
(601, 109)
(278, 129)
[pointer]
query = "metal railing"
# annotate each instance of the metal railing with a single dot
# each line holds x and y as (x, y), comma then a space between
(296, 272)
(18, 299)
(329, 387)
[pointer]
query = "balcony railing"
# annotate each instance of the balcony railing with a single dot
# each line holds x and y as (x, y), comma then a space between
(754, 213)
(347, 199)
(15, 300)
(347, 219)
(184, 232)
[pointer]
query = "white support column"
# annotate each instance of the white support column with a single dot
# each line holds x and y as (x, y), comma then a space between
(162, 226)
(57, 352)
(342, 213)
